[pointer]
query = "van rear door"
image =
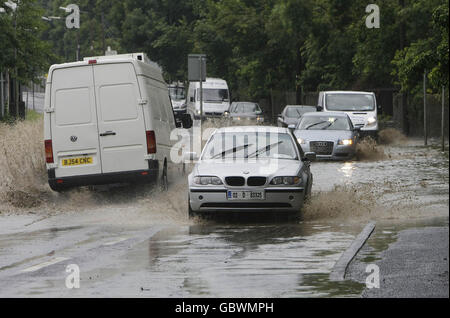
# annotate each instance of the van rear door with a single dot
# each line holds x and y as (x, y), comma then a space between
(74, 122)
(121, 124)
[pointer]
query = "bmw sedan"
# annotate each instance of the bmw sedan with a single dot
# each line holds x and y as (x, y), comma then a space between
(329, 135)
(250, 168)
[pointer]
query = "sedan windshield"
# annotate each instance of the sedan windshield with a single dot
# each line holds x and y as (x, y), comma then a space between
(324, 123)
(243, 145)
(246, 108)
(350, 102)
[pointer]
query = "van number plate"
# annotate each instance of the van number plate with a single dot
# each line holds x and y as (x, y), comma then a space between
(77, 161)
(245, 195)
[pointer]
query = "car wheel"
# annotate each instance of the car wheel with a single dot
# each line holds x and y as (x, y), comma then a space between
(164, 180)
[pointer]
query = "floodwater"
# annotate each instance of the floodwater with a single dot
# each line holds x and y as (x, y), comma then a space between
(139, 242)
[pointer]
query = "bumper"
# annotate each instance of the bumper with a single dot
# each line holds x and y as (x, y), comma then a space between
(179, 111)
(368, 133)
(276, 199)
(340, 152)
(139, 176)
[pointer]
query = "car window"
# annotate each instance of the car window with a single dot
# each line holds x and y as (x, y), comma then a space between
(350, 102)
(246, 108)
(242, 145)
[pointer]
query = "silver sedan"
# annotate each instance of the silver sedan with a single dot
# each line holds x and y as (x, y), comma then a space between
(250, 168)
(329, 135)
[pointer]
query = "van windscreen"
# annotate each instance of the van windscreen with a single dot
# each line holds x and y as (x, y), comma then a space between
(350, 102)
(214, 95)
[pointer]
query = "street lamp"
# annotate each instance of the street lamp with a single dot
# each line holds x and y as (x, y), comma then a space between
(13, 6)
(51, 18)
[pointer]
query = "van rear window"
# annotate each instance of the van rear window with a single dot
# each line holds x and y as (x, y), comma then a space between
(118, 102)
(72, 106)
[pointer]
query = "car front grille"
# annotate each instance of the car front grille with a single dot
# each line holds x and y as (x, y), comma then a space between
(256, 181)
(213, 114)
(235, 181)
(322, 148)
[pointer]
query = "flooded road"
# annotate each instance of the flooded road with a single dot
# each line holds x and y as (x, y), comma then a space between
(139, 243)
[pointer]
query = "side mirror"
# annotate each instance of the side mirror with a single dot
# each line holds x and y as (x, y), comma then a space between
(190, 156)
(357, 128)
(191, 99)
(319, 108)
(310, 156)
(291, 126)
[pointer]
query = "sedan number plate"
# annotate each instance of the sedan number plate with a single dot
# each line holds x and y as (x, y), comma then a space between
(246, 195)
(77, 161)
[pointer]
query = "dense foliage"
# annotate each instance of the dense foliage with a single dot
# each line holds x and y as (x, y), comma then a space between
(256, 45)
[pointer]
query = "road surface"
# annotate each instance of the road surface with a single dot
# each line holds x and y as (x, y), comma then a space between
(135, 242)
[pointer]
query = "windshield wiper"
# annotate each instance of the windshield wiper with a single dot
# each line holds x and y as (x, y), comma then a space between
(263, 150)
(232, 150)
(319, 123)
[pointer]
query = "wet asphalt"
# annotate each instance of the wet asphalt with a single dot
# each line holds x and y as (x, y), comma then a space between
(148, 248)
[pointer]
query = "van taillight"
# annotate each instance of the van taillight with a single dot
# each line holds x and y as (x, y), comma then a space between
(151, 141)
(48, 151)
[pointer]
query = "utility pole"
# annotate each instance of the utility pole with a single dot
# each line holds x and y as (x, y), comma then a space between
(103, 34)
(16, 72)
(443, 119)
(425, 107)
(405, 119)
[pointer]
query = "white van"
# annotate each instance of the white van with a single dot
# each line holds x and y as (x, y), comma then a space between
(216, 98)
(361, 107)
(107, 119)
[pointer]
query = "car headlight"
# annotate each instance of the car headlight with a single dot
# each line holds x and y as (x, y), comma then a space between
(208, 181)
(301, 141)
(346, 142)
(197, 111)
(371, 120)
(285, 180)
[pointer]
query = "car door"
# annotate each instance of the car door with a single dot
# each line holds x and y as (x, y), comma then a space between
(120, 118)
(73, 118)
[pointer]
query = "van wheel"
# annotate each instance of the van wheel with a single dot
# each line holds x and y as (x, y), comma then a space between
(192, 214)
(164, 180)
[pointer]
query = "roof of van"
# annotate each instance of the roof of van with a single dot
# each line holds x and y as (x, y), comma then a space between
(250, 129)
(347, 92)
(141, 63)
(211, 82)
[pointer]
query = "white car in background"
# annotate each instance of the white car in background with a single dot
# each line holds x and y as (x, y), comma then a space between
(107, 119)
(250, 168)
(361, 107)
